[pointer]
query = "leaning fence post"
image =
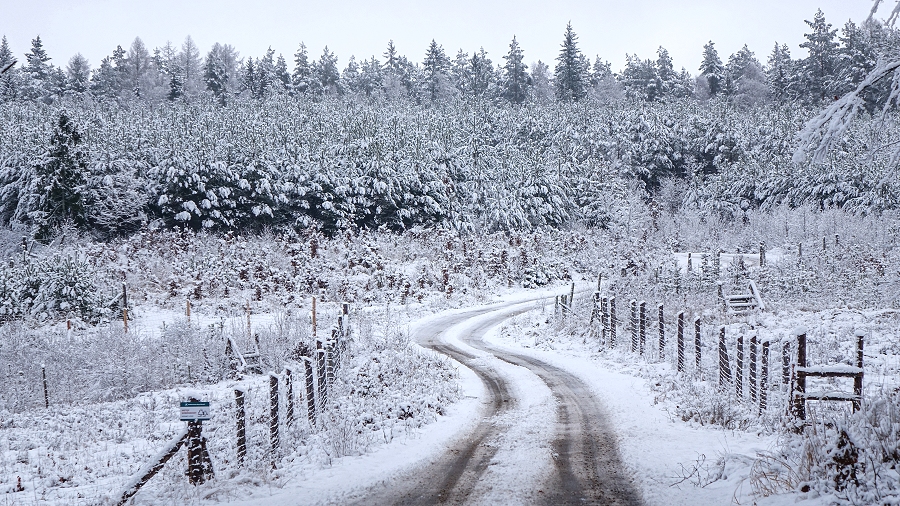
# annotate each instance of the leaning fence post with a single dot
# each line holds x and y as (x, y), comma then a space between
(724, 367)
(858, 379)
(612, 322)
(273, 416)
(662, 332)
(680, 337)
(697, 344)
(289, 396)
(752, 371)
(739, 369)
(642, 326)
(764, 377)
(241, 426)
(634, 325)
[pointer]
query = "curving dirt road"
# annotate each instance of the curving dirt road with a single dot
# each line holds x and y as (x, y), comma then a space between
(586, 465)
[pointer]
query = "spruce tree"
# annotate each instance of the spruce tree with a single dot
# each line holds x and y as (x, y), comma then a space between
(819, 68)
(515, 76)
(9, 80)
(780, 76)
(570, 69)
(329, 74)
(62, 178)
(435, 67)
(37, 70)
(215, 74)
(711, 68)
(78, 74)
(300, 76)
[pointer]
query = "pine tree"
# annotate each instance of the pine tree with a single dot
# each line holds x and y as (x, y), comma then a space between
(857, 56)
(515, 76)
(711, 68)
(282, 76)
(191, 68)
(542, 89)
(461, 72)
(370, 76)
(37, 71)
(138, 68)
(435, 68)
(482, 74)
(665, 73)
(62, 179)
(78, 74)
(9, 81)
(780, 76)
(300, 76)
(328, 73)
(216, 74)
(819, 68)
(570, 69)
(640, 79)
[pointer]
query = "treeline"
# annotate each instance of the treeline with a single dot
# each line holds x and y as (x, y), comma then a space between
(835, 65)
(336, 165)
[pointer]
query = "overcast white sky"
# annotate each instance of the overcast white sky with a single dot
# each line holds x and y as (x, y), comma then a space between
(362, 28)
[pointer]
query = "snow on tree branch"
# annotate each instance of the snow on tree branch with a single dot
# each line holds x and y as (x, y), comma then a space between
(821, 132)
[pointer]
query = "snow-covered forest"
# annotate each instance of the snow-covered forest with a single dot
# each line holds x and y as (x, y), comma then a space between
(167, 202)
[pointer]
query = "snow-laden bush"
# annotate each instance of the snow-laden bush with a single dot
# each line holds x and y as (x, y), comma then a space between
(49, 287)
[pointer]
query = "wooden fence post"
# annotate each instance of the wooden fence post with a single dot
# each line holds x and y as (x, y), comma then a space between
(785, 364)
(800, 378)
(612, 322)
(662, 332)
(329, 358)
(752, 371)
(314, 317)
(634, 325)
(697, 349)
(680, 338)
(604, 321)
(724, 367)
(858, 379)
(241, 426)
(599, 281)
(764, 378)
(273, 417)
(289, 396)
(762, 254)
(310, 392)
(642, 326)
(739, 369)
(46, 391)
(320, 374)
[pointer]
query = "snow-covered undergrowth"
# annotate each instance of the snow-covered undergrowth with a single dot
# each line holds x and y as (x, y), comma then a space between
(118, 391)
(833, 288)
(85, 452)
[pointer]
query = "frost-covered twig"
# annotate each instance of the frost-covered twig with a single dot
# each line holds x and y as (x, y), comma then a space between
(821, 132)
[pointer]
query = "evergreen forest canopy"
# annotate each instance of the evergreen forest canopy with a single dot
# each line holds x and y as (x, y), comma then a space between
(228, 143)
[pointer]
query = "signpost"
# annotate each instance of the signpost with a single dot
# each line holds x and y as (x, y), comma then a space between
(194, 412)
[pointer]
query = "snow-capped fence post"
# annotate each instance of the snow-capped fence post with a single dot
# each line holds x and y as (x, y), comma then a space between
(310, 392)
(762, 254)
(288, 396)
(643, 326)
(764, 378)
(199, 463)
(46, 392)
(697, 350)
(690, 266)
(273, 416)
(249, 332)
(752, 372)
(241, 416)
(320, 374)
(634, 325)
(724, 366)
(329, 358)
(680, 338)
(662, 331)
(739, 369)
(612, 322)
(187, 309)
(599, 281)
(595, 309)
(824, 245)
(604, 321)
(800, 380)
(858, 379)
(314, 317)
(785, 364)
(125, 306)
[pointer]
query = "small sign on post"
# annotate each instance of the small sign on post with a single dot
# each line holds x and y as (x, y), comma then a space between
(195, 411)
